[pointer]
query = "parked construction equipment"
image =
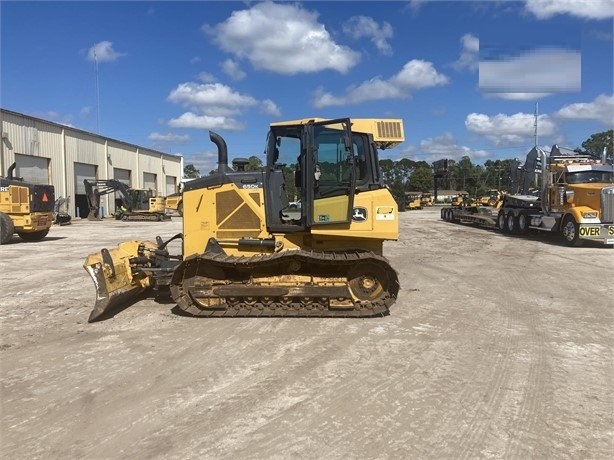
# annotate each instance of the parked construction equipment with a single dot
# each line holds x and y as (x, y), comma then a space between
(570, 194)
(413, 201)
(426, 200)
(136, 204)
(245, 252)
(25, 208)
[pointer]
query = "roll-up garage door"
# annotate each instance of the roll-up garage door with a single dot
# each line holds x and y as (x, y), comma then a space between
(83, 171)
(32, 169)
(149, 182)
(171, 185)
(122, 175)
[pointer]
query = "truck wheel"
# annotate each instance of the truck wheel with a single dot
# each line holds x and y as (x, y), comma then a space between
(511, 223)
(443, 214)
(570, 231)
(34, 236)
(180, 208)
(6, 228)
(501, 222)
(523, 223)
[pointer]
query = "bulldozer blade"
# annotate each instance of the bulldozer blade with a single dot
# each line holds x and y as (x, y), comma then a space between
(116, 285)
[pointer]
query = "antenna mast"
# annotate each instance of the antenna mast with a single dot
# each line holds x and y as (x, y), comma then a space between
(97, 95)
(535, 125)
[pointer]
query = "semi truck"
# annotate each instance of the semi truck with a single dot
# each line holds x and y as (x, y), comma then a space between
(569, 194)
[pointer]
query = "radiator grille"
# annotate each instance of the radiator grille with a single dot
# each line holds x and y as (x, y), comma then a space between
(389, 130)
(607, 205)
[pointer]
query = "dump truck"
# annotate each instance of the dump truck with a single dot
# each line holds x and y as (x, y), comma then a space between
(247, 252)
(25, 208)
(136, 204)
(569, 194)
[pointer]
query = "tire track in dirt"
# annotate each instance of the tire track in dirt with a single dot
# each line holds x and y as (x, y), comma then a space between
(487, 408)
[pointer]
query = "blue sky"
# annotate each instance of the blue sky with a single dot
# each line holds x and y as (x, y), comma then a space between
(465, 76)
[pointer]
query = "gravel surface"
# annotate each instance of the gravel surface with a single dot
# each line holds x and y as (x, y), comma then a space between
(497, 346)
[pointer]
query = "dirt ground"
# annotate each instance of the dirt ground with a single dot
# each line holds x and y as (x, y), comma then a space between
(497, 347)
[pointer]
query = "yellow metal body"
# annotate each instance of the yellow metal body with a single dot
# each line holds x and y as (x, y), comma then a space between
(228, 213)
(174, 202)
(157, 204)
(413, 201)
(426, 200)
(15, 202)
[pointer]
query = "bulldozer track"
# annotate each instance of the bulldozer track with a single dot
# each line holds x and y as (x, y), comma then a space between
(297, 283)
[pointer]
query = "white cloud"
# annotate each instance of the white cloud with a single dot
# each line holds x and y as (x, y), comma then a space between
(57, 117)
(169, 138)
(446, 146)
(204, 162)
(210, 97)
(103, 52)
(469, 57)
(504, 129)
(85, 112)
(541, 70)
(415, 74)
(270, 108)
(233, 69)
(363, 26)
(206, 77)
(282, 38)
(192, 120)
(601, 109)
(589, 9)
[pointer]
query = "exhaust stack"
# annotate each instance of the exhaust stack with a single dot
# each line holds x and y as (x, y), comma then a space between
(222, 152)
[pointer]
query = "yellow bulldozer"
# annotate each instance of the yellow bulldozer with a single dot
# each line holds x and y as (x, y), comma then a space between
(247, 252)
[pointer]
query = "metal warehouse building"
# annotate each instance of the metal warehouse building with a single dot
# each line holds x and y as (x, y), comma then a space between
(50, 153)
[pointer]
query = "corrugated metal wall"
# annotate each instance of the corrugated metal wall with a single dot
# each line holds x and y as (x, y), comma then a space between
(64, 146)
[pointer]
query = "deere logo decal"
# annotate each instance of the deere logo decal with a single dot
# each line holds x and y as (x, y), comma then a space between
(359, 214)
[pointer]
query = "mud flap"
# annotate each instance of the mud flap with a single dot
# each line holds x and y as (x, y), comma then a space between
(116, 285)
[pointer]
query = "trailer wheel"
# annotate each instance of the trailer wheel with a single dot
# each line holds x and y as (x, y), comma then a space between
(443, 213)
(6, 228)
(511, 223)
(501, 222)
(570, 231)
(523, 223)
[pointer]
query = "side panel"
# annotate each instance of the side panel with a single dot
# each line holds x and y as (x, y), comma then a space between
(225, 213)
(375, 215)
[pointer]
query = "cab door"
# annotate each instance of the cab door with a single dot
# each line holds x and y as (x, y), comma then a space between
(329, 173)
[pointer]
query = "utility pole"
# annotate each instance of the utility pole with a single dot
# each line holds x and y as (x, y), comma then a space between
(97, 94)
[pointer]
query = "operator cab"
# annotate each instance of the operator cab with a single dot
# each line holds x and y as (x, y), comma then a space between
(330, 165)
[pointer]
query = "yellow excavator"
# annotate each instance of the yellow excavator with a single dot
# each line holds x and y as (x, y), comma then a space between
(247, 252)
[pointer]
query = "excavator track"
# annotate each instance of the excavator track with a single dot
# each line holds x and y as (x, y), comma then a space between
(290, 283)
